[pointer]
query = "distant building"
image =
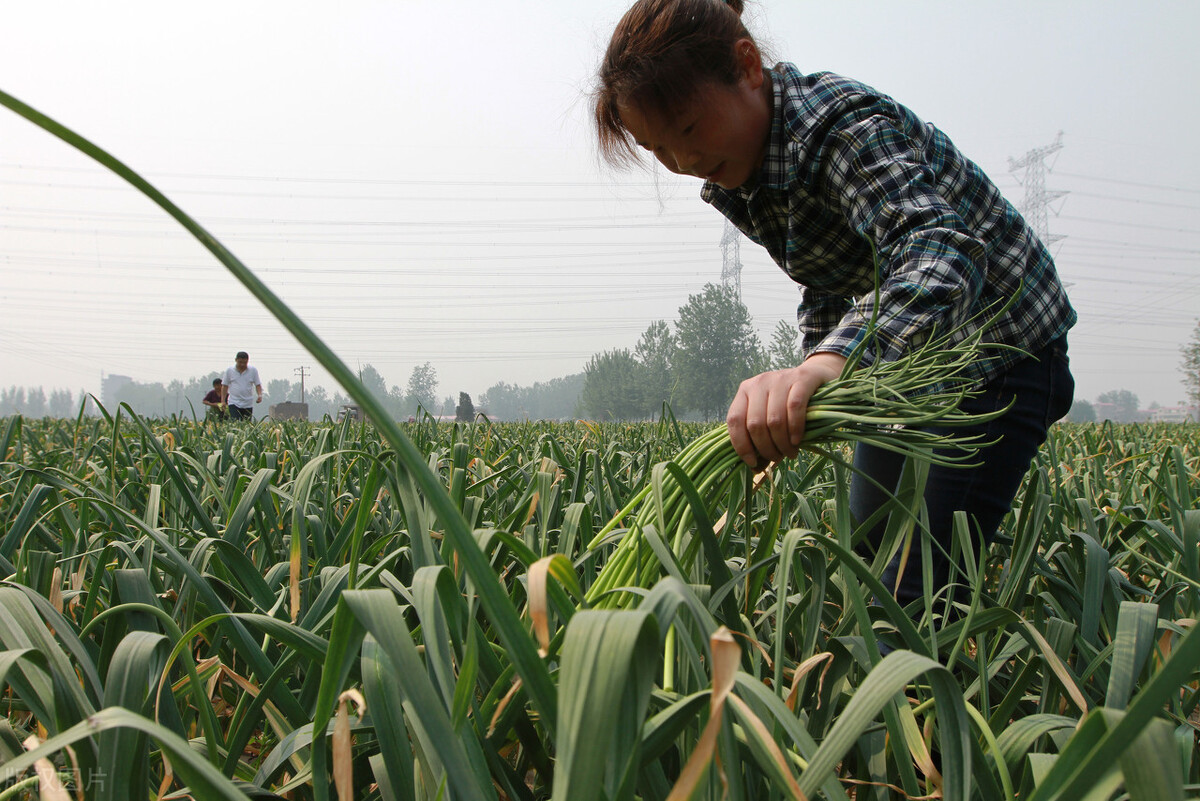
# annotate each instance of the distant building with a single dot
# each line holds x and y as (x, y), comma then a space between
(1174, 414)
(110, 389)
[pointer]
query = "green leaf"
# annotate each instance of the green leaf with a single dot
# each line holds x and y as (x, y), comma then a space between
(1137, 625)
(203, 780)
(1152, 766)
(880, 688)
(130, 682)
(385, 704)
(609, 663)
(1085, 759)
(235, 527)
(427, 712)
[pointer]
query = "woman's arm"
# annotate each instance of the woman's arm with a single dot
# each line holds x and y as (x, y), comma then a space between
(931, 265)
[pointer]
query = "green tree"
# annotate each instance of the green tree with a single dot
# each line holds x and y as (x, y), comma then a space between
(1121, 406)
(655, 352)
(176, 400)
(1190, 365)
(61, 404)
(502, 401)
(398, 404)
(12, 400)
(465, 411)
(716, 349)
(35, 402)
(319, 403)
(784, 350)
(373, 381)
(1081, 412)
(612, 386)
(556, 399)
(279, 390)
(422, 387)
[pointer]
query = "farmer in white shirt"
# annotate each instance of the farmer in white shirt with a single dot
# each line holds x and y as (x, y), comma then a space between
(239, 385)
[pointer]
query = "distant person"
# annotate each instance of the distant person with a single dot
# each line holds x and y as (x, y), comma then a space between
(216, 407)
(240, 384)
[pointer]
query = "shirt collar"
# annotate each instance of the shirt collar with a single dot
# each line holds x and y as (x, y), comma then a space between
(774, 167)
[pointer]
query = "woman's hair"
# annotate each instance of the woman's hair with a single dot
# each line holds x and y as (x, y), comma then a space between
(660, 52)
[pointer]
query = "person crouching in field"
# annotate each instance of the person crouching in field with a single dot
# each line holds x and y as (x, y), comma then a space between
(849, 191)
(215, 407)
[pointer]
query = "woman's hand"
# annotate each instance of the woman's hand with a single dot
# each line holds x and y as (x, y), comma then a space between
(766, 418)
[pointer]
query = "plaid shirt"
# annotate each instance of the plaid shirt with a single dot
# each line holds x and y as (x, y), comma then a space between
(849, 173)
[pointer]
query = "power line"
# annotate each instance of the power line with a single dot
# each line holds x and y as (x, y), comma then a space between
(1142, 185)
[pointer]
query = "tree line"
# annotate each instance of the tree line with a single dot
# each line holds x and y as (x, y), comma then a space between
(694, 366)
(1118, 405)
(34, 402)
(554, 399)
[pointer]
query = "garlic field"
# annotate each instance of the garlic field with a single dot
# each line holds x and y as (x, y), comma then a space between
(302, 611)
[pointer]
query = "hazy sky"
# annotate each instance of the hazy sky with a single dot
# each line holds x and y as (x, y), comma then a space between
(419, 180)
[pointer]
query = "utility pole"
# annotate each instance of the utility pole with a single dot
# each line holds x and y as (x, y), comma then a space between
(302, 372)
(1037, 199)
(731, 260)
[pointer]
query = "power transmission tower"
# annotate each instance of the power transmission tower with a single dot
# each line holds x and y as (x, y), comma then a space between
(731, 260)
(1037, 198)
(302, 372)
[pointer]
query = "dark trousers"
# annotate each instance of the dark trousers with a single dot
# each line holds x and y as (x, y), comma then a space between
(240, 412)
(1040, 388)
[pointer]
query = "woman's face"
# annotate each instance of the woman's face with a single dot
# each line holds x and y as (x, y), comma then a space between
(720, 134)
